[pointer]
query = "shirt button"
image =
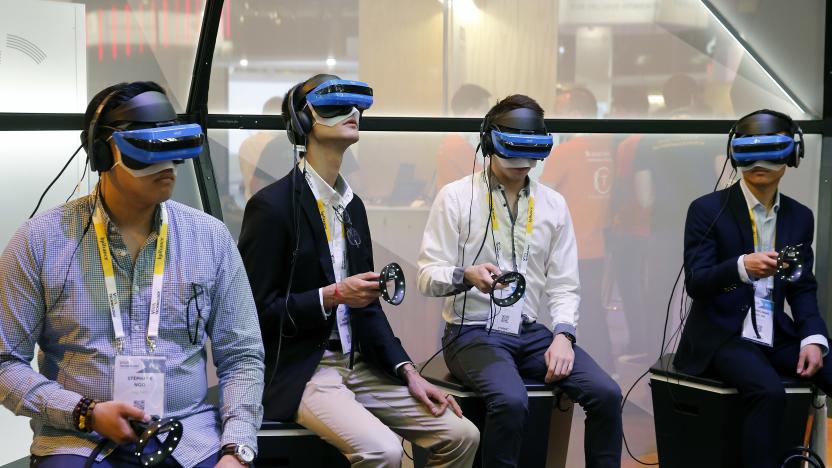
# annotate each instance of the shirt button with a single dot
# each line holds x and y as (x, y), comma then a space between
(137, 327)
(135, 288)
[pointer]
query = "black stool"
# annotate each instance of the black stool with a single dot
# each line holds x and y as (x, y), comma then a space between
(698, 419)
(548, 425)
(288, 444)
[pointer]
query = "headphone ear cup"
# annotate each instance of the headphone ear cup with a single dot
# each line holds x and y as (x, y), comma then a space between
(101, 159)
(797, 154)
(305, 119)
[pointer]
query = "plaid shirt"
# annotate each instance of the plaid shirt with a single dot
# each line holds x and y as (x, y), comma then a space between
(53, 295)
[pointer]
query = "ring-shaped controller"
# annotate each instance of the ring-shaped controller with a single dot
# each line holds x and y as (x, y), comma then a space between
(392, 272)
(516, 294)
(790, 263)
(170, 426)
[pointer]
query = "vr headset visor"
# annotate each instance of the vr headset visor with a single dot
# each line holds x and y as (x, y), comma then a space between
(775, 148)
(337, 97)
(147, 146)
(521, 145)
(521, 133)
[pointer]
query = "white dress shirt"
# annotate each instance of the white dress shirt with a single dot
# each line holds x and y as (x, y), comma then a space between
(447, 247)
(766, 227)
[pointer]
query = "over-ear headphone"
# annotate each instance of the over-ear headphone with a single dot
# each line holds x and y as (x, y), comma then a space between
(98, 150)
(300, 122)
(520, 118)
(765, 122)
(300, 117)
(485, 136)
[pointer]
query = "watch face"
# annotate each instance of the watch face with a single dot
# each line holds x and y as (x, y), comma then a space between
(245, 453)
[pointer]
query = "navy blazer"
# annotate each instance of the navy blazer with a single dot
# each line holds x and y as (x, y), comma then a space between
(717, 231)
(268, 237)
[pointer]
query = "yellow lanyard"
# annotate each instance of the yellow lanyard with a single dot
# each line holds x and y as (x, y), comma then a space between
(113, 301)
(529, 227)
(324, 219)
(754, 233)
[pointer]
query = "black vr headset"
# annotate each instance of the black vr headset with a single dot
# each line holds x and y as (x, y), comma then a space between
(145, 130)
(518, 133)
(765, 135)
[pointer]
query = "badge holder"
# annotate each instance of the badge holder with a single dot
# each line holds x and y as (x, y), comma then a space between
(507, 279)
(146, 432)
(790, 263)
(392, 272)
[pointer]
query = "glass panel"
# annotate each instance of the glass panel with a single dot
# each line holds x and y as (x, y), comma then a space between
(55, 55)
(578, 58)
(628, 195)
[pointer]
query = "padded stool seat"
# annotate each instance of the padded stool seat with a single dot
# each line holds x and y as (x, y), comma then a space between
(548, 425)
(287, 444)
(698, 419)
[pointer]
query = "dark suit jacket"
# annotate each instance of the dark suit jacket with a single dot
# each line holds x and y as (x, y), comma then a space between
(717, 232)
(271, 228)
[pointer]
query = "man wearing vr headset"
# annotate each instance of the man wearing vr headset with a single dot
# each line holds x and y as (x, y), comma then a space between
(738, 329)
(333, 363)
(121, 290)
(501, 220)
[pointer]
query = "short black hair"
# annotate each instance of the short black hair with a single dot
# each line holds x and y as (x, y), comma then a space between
(121, 93)
(509, 103)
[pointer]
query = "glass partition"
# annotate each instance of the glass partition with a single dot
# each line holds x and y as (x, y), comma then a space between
(578, 58)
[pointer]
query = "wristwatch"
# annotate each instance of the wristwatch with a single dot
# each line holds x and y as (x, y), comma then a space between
(568, 336)
(244, 453)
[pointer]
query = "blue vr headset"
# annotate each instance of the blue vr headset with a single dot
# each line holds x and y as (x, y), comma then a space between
(159, 144)
(746, 150)
(337, 97)
(521, 145)
(519, 133)
(765, 135)
(145, 130)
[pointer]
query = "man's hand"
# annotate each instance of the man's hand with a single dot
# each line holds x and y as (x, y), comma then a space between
(110, 419)
(559, 359)
(229, 461)
(810, 360)
(481, 276)
(435, 400)
(760, 265)
(356, 291)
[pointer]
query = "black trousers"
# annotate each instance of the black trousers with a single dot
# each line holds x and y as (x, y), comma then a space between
(492, 365)
(755, 370)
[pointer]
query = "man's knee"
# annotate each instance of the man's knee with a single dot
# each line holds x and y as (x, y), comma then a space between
(514, 405)
(605, 396)
(465, 432)
(384, 452)
(769, 393)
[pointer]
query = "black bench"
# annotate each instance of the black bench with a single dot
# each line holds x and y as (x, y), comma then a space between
(548, 425)
(698, 418)
(290, 445)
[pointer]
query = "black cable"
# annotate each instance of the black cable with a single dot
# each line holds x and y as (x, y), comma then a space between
(286, 312)
(10, 355)
(683, 317)
(45, 191)
(78, 185)
(476, 257)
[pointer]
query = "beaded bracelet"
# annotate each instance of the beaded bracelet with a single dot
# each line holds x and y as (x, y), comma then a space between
(82, 414)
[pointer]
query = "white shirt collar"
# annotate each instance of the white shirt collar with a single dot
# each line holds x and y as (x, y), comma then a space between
(752, 202)
(341, 194)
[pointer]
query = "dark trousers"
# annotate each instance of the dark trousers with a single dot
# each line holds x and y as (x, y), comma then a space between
(121, 456)
(492, 365)
(755, 370)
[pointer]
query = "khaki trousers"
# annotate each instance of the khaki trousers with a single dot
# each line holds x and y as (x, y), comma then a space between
(360, 411)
